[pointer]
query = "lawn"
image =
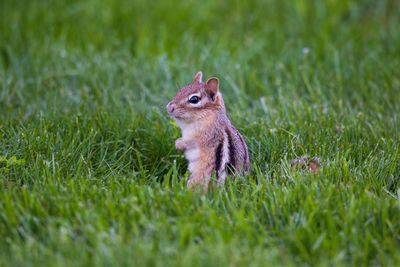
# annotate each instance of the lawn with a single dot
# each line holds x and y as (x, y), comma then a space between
(89, 173)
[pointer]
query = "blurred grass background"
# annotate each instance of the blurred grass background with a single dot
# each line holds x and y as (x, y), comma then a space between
(88, 169)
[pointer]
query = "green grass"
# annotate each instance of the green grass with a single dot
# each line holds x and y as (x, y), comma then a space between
(88, 170)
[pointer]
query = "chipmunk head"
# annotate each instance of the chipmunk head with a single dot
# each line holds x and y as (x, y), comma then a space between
(197, 100)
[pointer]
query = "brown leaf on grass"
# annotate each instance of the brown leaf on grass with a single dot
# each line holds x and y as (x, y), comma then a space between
(302, 163)
(299, 163)
(313, 165)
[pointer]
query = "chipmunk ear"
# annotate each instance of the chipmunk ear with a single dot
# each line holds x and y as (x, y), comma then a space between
(212, 86)
(197, 78)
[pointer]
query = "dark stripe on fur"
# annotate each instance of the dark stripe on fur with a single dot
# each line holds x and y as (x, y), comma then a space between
(244, 161)
(218, 158)
(232, 161)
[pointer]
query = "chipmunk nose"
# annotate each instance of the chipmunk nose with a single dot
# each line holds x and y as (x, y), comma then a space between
(170, 107)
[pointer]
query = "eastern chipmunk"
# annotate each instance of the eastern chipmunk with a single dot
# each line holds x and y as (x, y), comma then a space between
(212, 144)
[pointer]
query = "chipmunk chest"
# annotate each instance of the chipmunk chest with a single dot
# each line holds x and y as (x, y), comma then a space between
(189, 130)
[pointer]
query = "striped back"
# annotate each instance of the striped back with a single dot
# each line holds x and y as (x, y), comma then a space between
(231, 155)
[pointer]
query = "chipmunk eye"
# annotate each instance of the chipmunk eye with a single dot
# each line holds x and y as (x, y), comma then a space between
(194, 99)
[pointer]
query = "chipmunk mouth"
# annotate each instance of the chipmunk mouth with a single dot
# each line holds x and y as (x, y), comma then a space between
(176, 114)
(181, 118)
(177, 117)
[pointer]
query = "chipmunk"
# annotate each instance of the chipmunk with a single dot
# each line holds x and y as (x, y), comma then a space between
(212, 144)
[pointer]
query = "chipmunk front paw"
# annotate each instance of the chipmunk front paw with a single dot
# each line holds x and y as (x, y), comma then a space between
(180, 144)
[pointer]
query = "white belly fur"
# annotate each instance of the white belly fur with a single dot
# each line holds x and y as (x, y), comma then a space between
(192, 155)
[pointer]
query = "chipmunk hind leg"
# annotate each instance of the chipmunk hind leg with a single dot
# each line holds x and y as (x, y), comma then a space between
(211, 164)
(200, 175)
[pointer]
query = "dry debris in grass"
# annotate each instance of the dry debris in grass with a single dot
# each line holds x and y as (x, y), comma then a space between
(303, 163)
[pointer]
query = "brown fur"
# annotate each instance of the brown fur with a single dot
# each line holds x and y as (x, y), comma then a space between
(213, 145)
